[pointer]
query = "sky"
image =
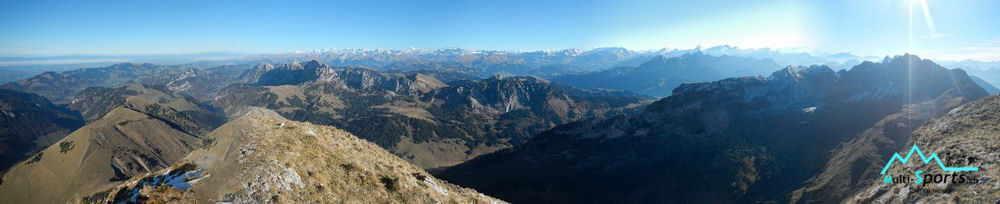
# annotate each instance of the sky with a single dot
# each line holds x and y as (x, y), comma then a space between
(949, 29)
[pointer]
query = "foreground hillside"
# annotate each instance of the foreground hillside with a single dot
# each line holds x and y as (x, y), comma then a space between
(138, 136)
(966, 136)
(263, 157)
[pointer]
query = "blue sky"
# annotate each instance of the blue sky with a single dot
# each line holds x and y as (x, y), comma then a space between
(961, 29)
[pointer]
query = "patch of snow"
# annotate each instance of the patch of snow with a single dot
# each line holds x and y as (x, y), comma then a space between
(430, 182)
(179, 181)
(309, 131)
(510, 103)
(809, 109)
(956, 110)
(195, 181)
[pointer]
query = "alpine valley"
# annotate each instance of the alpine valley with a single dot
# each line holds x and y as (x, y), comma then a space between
(608, 125)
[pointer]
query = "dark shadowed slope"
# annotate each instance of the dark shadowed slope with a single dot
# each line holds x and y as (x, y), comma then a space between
(965, 137)
(658, 76)
(857, 162)
(29, 123)
(985, 85)
(749, 139)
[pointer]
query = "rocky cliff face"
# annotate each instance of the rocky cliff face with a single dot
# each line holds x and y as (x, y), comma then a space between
(262, 157)
(739, 139)
(204, 84)
(354, 78)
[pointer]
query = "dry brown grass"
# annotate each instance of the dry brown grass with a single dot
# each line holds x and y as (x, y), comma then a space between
(262, 157)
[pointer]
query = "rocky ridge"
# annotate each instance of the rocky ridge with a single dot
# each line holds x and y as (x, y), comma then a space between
(262, 157)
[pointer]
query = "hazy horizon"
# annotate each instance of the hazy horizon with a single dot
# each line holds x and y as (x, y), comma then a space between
(185, 58)
(930, 28)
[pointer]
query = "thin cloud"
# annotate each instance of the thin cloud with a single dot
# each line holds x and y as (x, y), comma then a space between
(934, 36)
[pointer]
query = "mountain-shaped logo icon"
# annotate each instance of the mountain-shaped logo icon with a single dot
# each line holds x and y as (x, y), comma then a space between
(933, 156)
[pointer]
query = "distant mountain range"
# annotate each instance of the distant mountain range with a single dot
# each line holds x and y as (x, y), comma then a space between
(985, 85)
(987, 72)
(485, 63)
(63, 86)
(17, 68)
(480, 63)
(417, 116)
(660, 75)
